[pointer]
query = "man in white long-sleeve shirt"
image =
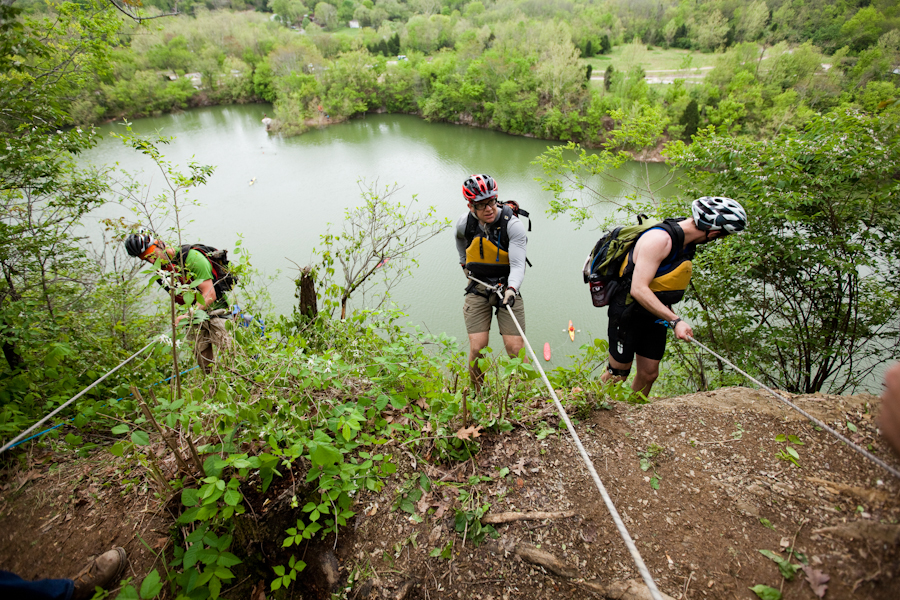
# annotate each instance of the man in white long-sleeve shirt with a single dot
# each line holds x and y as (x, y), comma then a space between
(491, 242)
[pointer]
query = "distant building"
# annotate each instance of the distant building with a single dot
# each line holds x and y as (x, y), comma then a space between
(353, 24)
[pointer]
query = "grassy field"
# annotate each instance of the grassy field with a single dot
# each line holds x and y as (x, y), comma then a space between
(348, 32)
(626, 56)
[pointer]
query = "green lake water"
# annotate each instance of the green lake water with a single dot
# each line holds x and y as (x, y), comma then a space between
(304, 183)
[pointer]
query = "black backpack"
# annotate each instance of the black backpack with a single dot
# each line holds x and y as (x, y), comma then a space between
(517, 210)
(472, 222)
(223, 279)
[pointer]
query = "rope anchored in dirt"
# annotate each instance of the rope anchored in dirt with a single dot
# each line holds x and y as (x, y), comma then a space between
(620, 526)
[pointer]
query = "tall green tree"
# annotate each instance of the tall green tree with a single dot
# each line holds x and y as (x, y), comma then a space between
(40, 191)
(807, 297)
(326, 16)
(711, 31)
(864, 28)
(690, 120)
(753, 20)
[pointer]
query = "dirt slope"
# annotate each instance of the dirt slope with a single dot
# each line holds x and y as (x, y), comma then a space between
(723, 495)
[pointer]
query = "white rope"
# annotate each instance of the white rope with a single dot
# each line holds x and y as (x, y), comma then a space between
(629, 543)
(863, 451)
(73, 399)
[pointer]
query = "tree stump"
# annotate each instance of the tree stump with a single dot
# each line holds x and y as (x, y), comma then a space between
(306, 291)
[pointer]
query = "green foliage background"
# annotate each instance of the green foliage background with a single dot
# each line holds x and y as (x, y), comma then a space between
(807, 298)
(510, 66)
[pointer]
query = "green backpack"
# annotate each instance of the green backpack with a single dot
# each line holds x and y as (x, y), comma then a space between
(601, 269)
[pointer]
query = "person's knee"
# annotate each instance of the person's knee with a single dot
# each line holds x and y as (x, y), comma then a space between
(477, 343)
(474, 352)
(648, 374)
(617, 373)
(513, 344)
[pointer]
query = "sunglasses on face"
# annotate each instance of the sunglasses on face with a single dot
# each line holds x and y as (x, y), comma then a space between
(482, 205)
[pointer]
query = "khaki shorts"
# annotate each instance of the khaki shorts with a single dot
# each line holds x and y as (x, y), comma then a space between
(210, 333)
(477, 311)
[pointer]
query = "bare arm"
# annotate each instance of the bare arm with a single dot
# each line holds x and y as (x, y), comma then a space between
(207, 290)
(651, 249)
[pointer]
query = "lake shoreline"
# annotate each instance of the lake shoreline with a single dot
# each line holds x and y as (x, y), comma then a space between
(323, 121)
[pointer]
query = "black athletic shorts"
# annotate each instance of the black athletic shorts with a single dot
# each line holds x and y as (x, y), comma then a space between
(634, 331)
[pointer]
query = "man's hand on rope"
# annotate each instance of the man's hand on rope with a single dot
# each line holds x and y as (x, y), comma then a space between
(683, 331)
(509, 297)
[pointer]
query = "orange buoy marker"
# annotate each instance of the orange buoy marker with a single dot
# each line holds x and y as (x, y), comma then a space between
(571, 331)
(546, 350)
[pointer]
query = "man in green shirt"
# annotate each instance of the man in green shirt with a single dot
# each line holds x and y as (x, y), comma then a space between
(201, 270)
(197, 268)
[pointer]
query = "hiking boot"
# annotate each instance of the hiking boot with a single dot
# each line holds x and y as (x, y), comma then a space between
(104, 570)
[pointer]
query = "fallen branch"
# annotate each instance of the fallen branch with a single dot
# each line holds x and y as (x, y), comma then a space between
(404, 590)
(532, 554)
(538, 416)
(508, 517)
(617, 590)
(865, 530)
(632, 589)
(867, 495)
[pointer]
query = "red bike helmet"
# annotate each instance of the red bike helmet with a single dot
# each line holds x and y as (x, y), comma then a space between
(479, 187)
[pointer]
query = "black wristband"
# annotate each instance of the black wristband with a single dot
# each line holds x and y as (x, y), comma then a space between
(672, 324)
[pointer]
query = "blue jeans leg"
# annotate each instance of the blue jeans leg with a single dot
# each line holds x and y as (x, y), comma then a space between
(13, 587)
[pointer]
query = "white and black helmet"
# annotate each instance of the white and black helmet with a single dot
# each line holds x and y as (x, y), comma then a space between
(137, 244)
(716, 213)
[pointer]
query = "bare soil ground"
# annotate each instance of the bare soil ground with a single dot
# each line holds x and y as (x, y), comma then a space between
(724, 495)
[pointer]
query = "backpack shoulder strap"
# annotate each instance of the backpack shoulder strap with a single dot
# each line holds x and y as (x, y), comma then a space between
(518, 211)
(506, 213)
(181, 255)
(676, 233)
(471, 228)
(623, 247)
